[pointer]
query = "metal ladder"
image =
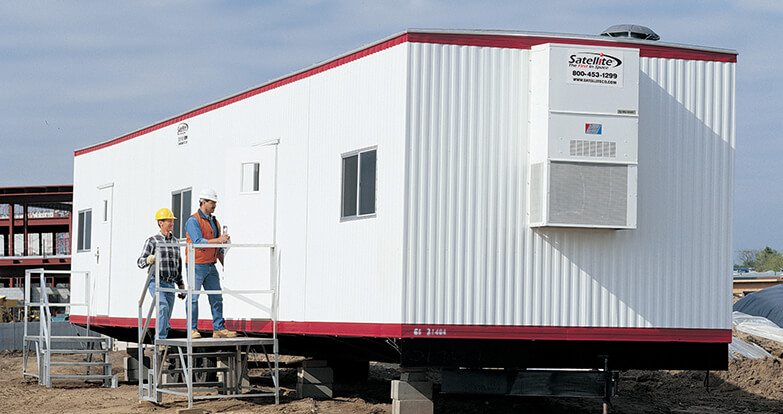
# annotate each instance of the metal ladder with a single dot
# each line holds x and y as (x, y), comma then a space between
(52, 352)
(232, 353)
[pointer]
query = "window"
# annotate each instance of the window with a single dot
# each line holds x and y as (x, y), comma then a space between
(180, 206)
(84, 241)
(358, 198)
(105, 210)
(250, 177)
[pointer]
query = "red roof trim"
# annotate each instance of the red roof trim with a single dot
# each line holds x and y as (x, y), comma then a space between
(388, 330)
(526, 42)
(488, 40)
(252, 92)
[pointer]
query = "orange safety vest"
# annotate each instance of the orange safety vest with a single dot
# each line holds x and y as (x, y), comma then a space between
(205, 256)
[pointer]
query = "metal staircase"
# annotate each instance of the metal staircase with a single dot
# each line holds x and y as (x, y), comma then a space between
(56, 357)
(178, 365)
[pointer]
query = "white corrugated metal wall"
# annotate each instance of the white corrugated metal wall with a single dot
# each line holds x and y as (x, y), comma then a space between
(331, 270)
(470, 257)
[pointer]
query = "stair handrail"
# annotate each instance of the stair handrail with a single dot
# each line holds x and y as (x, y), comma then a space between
(45, 314)
(190, 248)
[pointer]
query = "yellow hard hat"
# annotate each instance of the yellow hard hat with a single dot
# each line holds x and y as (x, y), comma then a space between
(164, 214)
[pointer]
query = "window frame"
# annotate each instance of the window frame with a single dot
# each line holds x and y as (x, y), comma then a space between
(182, 218)
(84, 243)
(358, 153)
(256, 177)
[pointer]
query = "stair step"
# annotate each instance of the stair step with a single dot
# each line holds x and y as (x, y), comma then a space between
(78, 364)
(68, 338)
(195, 384)
(201, 369)
(80, 376)
(203, 354)
(78, 351)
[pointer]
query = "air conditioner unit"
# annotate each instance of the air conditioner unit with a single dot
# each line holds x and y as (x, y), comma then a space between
(584, 128)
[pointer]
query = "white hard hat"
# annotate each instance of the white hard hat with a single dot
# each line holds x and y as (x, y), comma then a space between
(208, 194)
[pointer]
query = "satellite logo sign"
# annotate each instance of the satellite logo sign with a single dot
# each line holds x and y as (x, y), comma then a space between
(590, 59)
(594, 68)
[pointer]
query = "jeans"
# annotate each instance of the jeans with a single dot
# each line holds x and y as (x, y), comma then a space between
(165, 309)
(207, 276)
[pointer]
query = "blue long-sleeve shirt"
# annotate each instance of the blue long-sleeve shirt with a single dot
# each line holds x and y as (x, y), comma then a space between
(194, 230)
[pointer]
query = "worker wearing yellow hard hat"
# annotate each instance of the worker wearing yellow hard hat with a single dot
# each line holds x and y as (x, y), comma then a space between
(164, 214)
(170, 265)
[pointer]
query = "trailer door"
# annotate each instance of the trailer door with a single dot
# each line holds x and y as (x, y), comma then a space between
(101, 280)
(248, 208)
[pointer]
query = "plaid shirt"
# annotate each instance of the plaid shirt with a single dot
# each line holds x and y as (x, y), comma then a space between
(170, 261)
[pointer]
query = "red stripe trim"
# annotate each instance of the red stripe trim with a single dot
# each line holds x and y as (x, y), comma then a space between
(505, 41)
(565, 333)
(381, 330)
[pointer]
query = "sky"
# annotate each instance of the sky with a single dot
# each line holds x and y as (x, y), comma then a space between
(74, 74)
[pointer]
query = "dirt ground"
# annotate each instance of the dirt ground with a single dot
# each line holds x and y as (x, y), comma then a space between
(749, 386)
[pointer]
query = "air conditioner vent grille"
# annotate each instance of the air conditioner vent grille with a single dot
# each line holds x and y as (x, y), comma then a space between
(598, 149)
(588, 194)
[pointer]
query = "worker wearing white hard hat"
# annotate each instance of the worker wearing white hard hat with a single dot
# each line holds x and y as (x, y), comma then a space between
(203, 227)
(170, 267)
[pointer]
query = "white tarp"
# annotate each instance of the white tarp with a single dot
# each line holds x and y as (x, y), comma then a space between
(758, 326)
(748, 350)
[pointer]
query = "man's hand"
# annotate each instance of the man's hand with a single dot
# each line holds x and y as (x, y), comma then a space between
(223, 239)
(150, 259)
(181, 295)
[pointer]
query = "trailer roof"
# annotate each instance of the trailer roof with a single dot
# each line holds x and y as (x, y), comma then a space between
(485, 38)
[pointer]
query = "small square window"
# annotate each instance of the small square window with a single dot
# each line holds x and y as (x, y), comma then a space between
(358, 189)
(250, 177)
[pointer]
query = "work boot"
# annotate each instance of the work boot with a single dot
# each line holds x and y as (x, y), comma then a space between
(224, 333)
(194, 334)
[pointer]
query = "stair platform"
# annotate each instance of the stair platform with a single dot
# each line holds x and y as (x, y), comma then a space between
(216, 342)
(215, 366)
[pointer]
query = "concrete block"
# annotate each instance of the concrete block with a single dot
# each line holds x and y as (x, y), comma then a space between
(229, 379)
(308, 375)
(131, 369)
(314, 363)
(130, 376)
(412, 407)
(414, 376)
(191, 411)
(317, 391)
(417, 390)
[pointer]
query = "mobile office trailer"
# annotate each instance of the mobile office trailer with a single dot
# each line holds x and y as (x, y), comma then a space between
(451, 198)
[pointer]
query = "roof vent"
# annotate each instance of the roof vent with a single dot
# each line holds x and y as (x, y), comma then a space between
(631, 30)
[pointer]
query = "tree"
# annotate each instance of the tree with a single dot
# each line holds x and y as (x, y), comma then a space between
(768, 259)
(747, 258)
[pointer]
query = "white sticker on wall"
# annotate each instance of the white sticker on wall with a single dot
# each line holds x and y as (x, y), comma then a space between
(593, 67)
